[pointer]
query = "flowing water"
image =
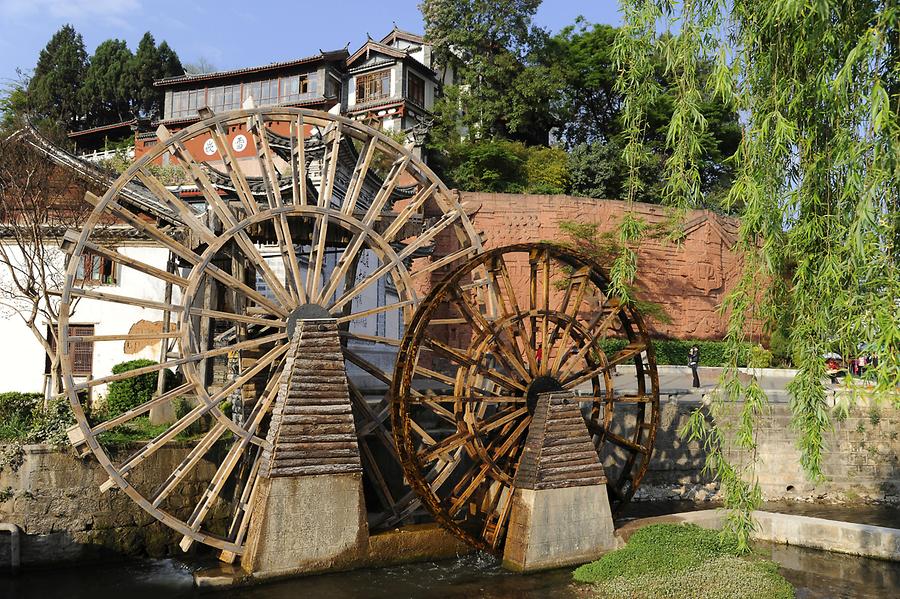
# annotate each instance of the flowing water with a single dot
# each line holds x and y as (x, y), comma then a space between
(816, 574)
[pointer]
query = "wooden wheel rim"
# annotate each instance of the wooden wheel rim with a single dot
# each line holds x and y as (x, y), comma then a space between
(420, 458)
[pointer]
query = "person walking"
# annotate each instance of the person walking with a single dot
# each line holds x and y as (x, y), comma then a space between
(694, 362)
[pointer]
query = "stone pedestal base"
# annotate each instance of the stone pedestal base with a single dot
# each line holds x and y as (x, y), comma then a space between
(306, 524)
(163, 413)
(560, 512)
(551, 528)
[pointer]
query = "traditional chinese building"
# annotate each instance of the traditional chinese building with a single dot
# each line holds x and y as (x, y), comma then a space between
(390, 83)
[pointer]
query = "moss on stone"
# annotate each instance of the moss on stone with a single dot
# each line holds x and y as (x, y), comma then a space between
(683, 561)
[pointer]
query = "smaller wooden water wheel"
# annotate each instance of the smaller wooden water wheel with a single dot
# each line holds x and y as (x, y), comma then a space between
(506, 326)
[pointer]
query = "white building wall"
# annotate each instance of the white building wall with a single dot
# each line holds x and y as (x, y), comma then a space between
(22, 368)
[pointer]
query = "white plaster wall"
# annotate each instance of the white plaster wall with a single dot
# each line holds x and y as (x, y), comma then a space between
(22, 367)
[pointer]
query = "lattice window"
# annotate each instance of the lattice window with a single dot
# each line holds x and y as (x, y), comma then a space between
(373, 86)
(81, 352)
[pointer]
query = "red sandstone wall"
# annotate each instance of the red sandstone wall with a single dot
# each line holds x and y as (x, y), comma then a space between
(689, 280)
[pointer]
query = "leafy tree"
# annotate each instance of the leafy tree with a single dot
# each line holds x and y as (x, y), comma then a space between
(490, 46)
(13, 106)
(170, 64)
(507, 167)
(590, 101)
(53, 89)
(591, 120)
(596, 170)
(108, 84)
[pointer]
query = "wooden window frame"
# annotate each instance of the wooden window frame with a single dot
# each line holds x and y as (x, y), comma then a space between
(371, 86)
(106, 271)
(82, 352)
(416, 98)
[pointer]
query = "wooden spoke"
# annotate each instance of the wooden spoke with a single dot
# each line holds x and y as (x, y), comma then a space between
(545, 320)
(221, 351)
(141, 409)
(187, 464)
(359, 174)
(138, 265)
(298, 161)
(184, 252)
(598, 429)
(234, 172)
(507, 353)
(412, 206)
(423, 239)
(125, 337)
(581, 279)
(629, 351)
(498, 267)
(466, 399)
(271, 179)
(605, 318)
(371, 312)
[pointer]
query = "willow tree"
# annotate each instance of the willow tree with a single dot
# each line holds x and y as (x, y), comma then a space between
(817, 83)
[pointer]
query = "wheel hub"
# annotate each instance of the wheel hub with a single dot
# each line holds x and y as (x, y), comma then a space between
(541, 384)
(305, 312)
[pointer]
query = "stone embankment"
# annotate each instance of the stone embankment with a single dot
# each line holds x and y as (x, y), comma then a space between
(54, 498)
(861, 461)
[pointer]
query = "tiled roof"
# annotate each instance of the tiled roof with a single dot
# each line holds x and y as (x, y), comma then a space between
(397, 33)
(333, 55)
(378, 47)
(102, 128)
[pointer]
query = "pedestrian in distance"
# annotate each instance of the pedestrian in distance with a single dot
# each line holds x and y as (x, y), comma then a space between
(694, 362)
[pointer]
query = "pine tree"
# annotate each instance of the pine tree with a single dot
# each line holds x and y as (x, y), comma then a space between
(53, 92)
(151, 63)
(108, 84)
(145, 69)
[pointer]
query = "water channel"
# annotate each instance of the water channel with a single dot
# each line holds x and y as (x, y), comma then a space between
(815, 574)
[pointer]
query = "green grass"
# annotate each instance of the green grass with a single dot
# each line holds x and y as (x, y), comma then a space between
(140, 429)
(683, 561)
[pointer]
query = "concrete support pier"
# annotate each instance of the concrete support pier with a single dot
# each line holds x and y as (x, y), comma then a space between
(308, 511)
(560, 513)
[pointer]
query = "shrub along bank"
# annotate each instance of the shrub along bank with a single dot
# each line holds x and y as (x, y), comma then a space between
(675, 352)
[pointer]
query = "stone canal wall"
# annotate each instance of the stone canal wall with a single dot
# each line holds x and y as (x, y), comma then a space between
(861, 460)
(54, 498)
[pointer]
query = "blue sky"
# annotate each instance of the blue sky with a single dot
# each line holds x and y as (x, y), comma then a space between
(232, 33)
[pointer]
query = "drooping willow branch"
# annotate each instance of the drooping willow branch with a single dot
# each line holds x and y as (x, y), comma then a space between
(817, 85)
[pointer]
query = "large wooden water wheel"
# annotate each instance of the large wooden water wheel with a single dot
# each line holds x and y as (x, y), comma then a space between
(532, 324)
(282, 214)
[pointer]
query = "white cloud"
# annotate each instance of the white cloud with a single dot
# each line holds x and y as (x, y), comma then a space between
(111, 11)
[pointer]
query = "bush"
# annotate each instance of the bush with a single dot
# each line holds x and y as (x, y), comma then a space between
(129, 393)
(24, 418)
(546, 170)
(17, 411)
(760, 357)
(50, 422)
(780, 346)
(675, 351)
(507, 167)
